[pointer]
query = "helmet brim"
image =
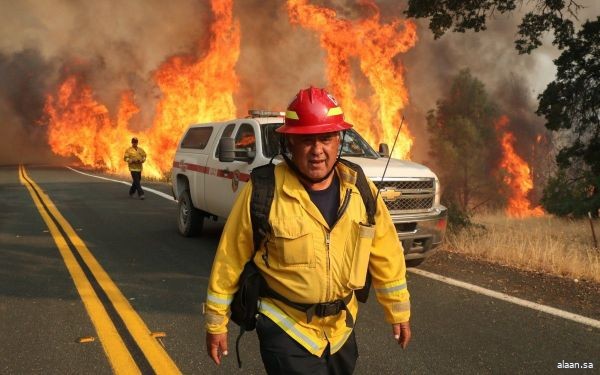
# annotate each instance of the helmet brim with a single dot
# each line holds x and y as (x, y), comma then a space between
(313, 129)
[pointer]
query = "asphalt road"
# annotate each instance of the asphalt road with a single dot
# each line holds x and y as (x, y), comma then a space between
(163, 277)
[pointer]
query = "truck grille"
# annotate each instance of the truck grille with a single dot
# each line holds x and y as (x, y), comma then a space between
(408, 195)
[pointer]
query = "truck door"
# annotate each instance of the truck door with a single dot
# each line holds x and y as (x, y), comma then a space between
(190, 161)
(225, 180)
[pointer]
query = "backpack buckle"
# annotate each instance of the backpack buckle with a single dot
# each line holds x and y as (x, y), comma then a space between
(328, 308)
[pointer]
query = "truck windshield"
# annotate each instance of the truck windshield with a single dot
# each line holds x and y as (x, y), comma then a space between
(354, 144)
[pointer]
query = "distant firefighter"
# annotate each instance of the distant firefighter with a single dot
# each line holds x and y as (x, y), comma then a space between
(135, 157)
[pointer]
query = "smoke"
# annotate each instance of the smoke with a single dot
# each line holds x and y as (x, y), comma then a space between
(489, 55)
(114, 44)
(23, 82)
(117, 45)
(514, 80)
(276, 58)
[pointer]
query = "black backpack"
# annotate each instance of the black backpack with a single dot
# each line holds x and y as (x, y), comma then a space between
(244, 307)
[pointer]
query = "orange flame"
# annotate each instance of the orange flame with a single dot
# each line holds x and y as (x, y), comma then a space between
(517, 177)
(246, 140)
(193, 90)
(376, 46)
(82, 127)
(197, 91)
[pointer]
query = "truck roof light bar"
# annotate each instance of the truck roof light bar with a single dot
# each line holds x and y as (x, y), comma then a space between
(262, 113)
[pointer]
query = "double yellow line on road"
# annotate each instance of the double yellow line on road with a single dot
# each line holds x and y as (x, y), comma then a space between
(119, 356)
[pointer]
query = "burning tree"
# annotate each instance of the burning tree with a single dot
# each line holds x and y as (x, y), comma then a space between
(570, 104)
(464, 144)
(516, 175)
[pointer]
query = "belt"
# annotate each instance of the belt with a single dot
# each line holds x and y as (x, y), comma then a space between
(329, 308)
(321, 309)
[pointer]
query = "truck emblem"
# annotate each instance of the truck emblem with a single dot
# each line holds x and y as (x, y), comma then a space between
(235, 180)
(390, 194)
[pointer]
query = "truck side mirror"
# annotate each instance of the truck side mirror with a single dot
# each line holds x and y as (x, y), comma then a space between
(384, 150)
(226, 149)
(228, 152)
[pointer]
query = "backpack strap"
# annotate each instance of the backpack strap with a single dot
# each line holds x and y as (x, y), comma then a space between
(263, 190)
(364, 189)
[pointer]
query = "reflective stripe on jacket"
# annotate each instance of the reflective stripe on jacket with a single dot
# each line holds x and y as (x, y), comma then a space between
(135, 158)
(308, 262)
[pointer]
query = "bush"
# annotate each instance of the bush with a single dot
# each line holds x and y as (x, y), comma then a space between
(564, 196)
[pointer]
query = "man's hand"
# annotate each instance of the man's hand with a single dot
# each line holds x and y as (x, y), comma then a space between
(402, 333)
(216, 346)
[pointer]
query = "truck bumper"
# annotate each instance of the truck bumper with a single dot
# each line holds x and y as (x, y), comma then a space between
(421, 234)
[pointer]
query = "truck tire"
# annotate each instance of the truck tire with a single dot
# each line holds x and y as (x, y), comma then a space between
(189, 219)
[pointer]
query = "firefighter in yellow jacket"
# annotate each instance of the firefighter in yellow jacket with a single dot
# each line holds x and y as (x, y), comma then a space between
(318, 253)
(135, 157)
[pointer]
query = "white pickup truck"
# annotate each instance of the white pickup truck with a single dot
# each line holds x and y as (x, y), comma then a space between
(207, 177)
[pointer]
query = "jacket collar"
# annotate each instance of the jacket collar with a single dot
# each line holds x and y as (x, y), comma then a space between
(293, 188)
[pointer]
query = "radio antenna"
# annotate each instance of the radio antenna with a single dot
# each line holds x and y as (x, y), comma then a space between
(389, 157)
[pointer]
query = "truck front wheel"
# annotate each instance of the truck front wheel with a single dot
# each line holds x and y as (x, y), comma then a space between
(189, 219)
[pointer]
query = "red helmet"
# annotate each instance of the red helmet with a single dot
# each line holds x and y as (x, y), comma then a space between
(313, 111)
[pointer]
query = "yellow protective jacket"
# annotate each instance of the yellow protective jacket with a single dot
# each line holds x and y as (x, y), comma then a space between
(308, 262)
(135, 158)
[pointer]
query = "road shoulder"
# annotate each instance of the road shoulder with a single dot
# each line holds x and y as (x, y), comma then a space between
(578, 296)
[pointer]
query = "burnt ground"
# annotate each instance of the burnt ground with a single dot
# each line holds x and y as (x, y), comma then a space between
(580, 297)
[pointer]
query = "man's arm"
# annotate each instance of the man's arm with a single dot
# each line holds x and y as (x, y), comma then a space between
(388, 270)
(234, 250)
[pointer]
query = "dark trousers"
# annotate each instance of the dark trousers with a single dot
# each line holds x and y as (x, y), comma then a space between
(136, 185)
(282, 355)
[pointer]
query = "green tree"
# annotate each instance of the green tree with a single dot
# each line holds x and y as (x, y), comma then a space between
(571, 106)
(569, 195)
(460, 16)
(464, 144)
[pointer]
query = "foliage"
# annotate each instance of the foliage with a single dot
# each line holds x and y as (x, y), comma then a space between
(571, 105)
(464, 144)
(567, 196)
(547, 15)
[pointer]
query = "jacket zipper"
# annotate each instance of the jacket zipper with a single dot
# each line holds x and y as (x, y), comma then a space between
(327, 241)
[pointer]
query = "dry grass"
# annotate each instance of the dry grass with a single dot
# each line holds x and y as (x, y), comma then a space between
(547, 244)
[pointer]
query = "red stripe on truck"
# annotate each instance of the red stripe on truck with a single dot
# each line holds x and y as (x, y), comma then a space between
(244, 177)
